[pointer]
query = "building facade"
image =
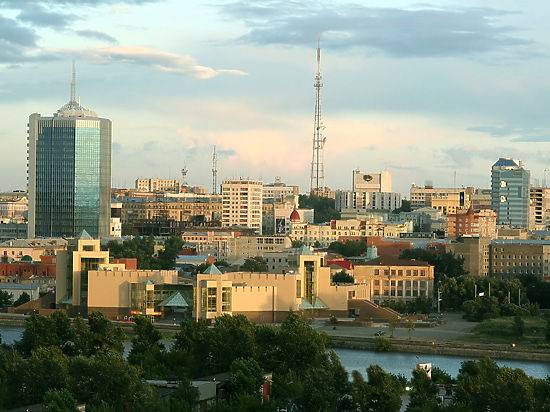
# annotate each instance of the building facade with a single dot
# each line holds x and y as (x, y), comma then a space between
(445, 197)
(395, 279)
(69, 172)
(475, 251)
(367, 200)
(539, 208)
(158, 185)
(472, 222)
(510, 192)
(372, 182)
(242, 203)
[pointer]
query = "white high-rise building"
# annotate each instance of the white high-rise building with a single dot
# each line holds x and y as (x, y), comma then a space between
(242, 203)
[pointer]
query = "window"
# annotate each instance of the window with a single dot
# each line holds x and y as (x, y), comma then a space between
(211, 301)
(226, 299)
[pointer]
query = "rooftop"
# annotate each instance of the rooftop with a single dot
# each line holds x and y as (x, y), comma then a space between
(389, 261)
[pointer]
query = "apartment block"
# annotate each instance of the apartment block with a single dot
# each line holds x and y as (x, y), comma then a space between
(539, 208)
(475, 252)
(446, 199)
(470, 222)
(518, 257)
(153, 185)
(242, 203)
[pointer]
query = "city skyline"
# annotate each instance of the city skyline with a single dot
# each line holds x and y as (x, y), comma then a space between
(461, 90)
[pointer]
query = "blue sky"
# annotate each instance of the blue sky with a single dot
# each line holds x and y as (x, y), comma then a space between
(422, 89)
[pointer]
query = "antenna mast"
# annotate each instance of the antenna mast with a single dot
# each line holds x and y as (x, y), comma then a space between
(214, 172)
(73, 84)
(317, 181)
(184, 176)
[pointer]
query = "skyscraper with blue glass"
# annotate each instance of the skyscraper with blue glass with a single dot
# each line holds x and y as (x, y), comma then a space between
(69, 172)
(510, 192)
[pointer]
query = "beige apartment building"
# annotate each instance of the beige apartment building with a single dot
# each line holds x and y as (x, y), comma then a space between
(157, 185)
(186, 209)
(539, 208)
(269, 297)
(446, 199)
(516, 257)
(325, 234)
(470, 222)
(395, 279)
(279, 191)
(475, 252)
(242, 203)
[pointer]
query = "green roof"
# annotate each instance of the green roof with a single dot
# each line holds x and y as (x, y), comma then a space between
(212, 270)
(305, 304)
(85, 235)
(176, 300)
(305, 250)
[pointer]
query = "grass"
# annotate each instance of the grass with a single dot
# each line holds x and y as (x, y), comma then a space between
(501, 330)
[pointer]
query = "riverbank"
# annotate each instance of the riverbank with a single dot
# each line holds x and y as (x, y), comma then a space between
(449, 348)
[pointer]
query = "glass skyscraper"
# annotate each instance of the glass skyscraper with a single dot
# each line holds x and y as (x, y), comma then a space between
(510, 192)
(69, 172)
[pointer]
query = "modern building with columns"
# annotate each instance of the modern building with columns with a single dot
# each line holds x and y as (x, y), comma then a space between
(395, 279)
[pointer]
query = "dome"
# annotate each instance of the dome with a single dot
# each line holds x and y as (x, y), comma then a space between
(295, 216)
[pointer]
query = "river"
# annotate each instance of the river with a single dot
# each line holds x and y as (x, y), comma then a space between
(393, 362)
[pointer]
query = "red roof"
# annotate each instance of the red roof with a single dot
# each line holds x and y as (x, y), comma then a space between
(295, 216)
(346, 264)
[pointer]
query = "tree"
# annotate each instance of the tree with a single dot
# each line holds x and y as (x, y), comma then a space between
(342, 277)
(60, 400)
(393, 323)
(297, 244)
(6, 299)
(323, 207)
(381, 392)
(103, 334)
(405, 207)
(22, 299)
(349, 248)
(147, 350)
(410, 326)
(519, 326)
(255, 264)
(424, 390)
(246, 378)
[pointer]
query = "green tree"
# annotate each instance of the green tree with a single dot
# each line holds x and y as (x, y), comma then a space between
(147, 350)
(47, 368)
(342, 277)
(392, 324)
(410, 325)
(6, 299)
(11, 382)
(382, 392)
(59, 400)
(382, 344)
(246, 378)
(547, 329)
(255, 264)
(22, 299)
(519, 326)
(424, 391)
(323, 207)
(53, 330)
(103, 334)
(166, 259)
(297, 244)
(445, 264)
(349, 248)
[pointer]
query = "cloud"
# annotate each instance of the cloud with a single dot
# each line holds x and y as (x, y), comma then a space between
(517, 134)
(154, 59)
(423, 32)
(17, 4)
(94, 34)
(13, 33)
(39, 16)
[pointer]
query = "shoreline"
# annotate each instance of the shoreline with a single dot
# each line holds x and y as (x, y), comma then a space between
(448, 348)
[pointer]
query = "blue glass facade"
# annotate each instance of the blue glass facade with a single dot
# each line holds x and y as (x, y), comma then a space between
(72, 159)
(510, 193)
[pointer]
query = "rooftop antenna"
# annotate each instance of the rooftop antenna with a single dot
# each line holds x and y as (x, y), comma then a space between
(73, 83)
(317, 177)
(214, 172)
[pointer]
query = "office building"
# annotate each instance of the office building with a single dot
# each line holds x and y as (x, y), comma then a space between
(443, 199)
(510, 192)
(69, 172)
(279, 191)
(242, 203)
(345, 199)
(372, 182)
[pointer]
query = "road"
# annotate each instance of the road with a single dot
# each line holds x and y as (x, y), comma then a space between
(454, 328)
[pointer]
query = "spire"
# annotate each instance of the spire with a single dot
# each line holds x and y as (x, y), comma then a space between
(73, 84)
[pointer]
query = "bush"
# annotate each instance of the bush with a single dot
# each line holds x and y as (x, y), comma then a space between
(382, 345)
(519, 326)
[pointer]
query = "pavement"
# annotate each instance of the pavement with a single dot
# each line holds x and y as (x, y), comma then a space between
(454, 328)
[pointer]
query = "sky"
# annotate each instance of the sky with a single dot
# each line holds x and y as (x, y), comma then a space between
(423, 89)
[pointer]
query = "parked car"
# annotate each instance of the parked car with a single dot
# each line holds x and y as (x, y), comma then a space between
(380, 333)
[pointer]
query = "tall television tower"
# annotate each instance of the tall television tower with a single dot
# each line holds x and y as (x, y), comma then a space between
(317, 182)
(214, 172)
